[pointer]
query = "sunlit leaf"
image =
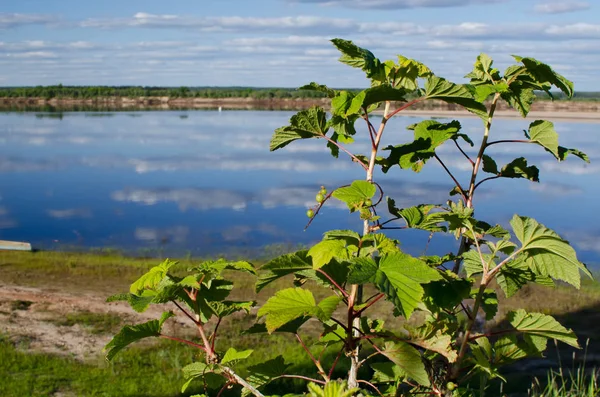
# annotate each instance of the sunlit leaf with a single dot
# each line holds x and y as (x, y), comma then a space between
(541, 325)
(310, 123)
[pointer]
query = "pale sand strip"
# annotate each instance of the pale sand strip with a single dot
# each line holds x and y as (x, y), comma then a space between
(564, 116)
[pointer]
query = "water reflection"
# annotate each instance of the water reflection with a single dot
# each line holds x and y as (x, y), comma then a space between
(205, 182)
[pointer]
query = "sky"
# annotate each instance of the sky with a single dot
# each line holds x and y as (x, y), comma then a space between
(284, 43)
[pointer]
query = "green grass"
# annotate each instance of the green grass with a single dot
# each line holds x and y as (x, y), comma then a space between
(136, 372)
(96, 323)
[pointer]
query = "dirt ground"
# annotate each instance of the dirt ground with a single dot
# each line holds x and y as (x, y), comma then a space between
(33, 315)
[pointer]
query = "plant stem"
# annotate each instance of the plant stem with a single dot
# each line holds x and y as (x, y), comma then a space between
(187, 342)
(478, 160)
(509, 141)
(332, 281)
(462, 192)
(314, 360)
(463, 152)
(343, 149)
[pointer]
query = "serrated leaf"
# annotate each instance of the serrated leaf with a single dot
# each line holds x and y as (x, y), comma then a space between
(139, 303)
(489, 165)
(543, 73)
(472, 262)
(134, 333)
(563, 152)
(417, 217)
(400, 277)
(519, 97)
(431, 338)
(361, 270)
(233, 356)
(374, 95)
(291, 303)
(408, 359)
(483, 91)
(226, 308)
(543, 133)
(282, 266)
(289, 328)
(263, 373)
(360, 58)
(320, 88)
(151, 278)
(518, 168)
(546, 253)
(539, 324)
(200, 371)
(446, 293)
(310, 123)
(439, 88)
(508, 348)
(386, 372)
(489, 302)
(355, 194)
(406, 73)
(323, 252)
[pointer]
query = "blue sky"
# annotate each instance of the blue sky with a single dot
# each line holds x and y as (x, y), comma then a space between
(283, 42)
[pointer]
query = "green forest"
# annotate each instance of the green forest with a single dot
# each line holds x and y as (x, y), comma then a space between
(89, 92)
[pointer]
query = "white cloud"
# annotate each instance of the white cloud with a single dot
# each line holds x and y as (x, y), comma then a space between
(70, 213)
(561, 7)
(8, 20)
(397, 4)
(202, 199)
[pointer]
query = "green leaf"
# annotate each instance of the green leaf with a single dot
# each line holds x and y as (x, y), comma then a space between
(406, 73)
(137, 303)
(310, 123)
(429, 135)
(152, 278)
(323, 252)
(519, 97)
(201, 371)
(291, 303)
(331, 389)
(341, 103)
(263, 373)
(417, 217)
(483, 91)
(543, 133)
(408, 359)
(489, 302)
(360, 58)
(446, 293)
(134, 333)
(319, 87)
(518, 168)
(489, 165)
(433, 339)
(539, 324)
(362, 270)
(374, 95)
(232, 356)
(563, 152)
(508, 348)
(355, 194)
(472, 262)
(289, 328)
(543, 73)
(400, 277)
(386, 372)
(439, 88)
(546, 253)
(226, 308)
(282, 266)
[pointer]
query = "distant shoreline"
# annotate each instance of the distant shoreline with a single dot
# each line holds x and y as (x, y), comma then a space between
(582, 111)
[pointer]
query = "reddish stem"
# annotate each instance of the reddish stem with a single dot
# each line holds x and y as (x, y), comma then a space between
(187, 342)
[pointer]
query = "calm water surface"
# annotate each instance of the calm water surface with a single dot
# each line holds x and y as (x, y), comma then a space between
(204, 182)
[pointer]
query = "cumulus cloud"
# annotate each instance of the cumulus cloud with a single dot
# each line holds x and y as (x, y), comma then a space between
(556, 7)
(177, 234)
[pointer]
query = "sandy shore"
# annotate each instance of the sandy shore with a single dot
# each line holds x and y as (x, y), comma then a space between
(563, 116)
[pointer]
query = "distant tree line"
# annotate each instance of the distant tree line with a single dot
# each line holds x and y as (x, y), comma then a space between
(89, 92)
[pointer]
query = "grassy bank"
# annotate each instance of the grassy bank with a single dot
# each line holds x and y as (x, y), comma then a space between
(154, 368)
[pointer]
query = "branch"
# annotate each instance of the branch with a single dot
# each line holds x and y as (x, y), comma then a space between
(188, 315)
(301, 377)
(343, 291)
(314, 360)
(368, 305)
(508, 141)
(401, 108)
(371, 385)
(337, 358)
(214, 335)
(486, 179)
(343, 149)
(463, 152)
(187, 342)
(462, 192)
